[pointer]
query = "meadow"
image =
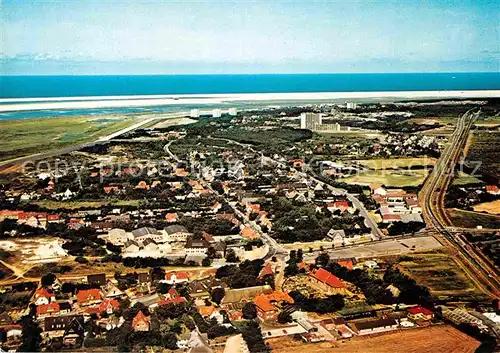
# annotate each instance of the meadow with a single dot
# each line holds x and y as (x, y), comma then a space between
(30, 136)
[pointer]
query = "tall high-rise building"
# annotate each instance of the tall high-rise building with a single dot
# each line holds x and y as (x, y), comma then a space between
(194, 113)
(216, 113)
(232, 111)
(351, 105)
(310, 120)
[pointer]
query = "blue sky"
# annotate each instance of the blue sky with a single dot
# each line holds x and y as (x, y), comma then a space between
(168, 37)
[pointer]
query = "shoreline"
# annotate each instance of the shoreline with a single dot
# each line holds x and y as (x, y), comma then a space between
(97, 102)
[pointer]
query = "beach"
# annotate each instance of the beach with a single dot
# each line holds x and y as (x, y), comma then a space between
(97, 102)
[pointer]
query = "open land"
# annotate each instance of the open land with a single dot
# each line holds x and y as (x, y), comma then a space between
(464, 179)
(470, 219)
(492, 207)
(393, 163)
(394, 178)
(29, 136)
(438, 339)
(439, 272)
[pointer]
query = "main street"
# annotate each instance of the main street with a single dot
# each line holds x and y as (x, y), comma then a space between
(478, 268)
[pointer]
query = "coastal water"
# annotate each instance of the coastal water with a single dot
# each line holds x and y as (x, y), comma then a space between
(75, 86)
(80, 86)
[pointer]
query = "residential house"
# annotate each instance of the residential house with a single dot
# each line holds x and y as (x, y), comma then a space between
(45, 310)
(196, 247)
(63, 325)
(97, 279)
(176, 233)
(493, 189)
(116, 236)
(420, 313)
(43, 296)
(141, 322)
(330, 283)
(268, 305)
(87, 297)
(141, 234)
(176, 277)
(112, 291)
(171, 217)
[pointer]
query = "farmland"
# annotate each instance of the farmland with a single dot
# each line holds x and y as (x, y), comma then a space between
(392, 178)
(485, 150)
(492, 207)
(464, 179)
(444, 339)
(439, 273)
(30, 136)
(394, 163)
(469, 219)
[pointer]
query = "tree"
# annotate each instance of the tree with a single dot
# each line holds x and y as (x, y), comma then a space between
(206, 262)
(31, 335)
(322, 260)
(231, 256)
(157, 274)
(249, 311)
(218, 294)
(48, 279)
(284, 317)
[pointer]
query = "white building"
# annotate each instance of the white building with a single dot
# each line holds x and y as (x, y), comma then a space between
(310, 120)
(351, 105)
(216, 113)
(195, 113)
(232, 111)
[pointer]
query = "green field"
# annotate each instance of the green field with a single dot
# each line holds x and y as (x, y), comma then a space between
(393, 178)
(464, 179)
(393, 163)
(30, 136)
(439, 273)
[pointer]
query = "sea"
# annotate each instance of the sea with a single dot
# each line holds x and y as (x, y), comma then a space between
(117, 85)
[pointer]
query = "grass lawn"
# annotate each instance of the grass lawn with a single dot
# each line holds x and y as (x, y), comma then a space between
(393, 163)
(30, 136)
(438, 272)
(470, 219)
(393, 178)
(464, 179)
(70, 205)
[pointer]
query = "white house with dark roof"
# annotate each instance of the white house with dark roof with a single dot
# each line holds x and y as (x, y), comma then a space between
(141, 234)
(176, 232)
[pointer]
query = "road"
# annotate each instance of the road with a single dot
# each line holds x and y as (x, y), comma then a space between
(478, 268)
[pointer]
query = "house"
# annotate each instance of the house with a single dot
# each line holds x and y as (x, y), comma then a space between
(420, 313)
(47, 310)
(248, 233)
(131, 247)
(219, 248)
(194, 247)
(268, 305)
(176, 277)
(267, 270)
(150, 244)
(43, 296)
(205, 310)
(111, 189)
(141, 322)
(330, 283)
(141, 234)
(144, 277)
(142, 185)
(97, 280)
(112, 291)
(373, 326)
(492, 189)
(116, 236)
(337, 235)
(88, 297)
(63, 325)
(377, 189)
(171, 217)
(176, 233)
(109, 306)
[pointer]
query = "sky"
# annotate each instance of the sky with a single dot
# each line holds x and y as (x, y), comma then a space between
(73, 37)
